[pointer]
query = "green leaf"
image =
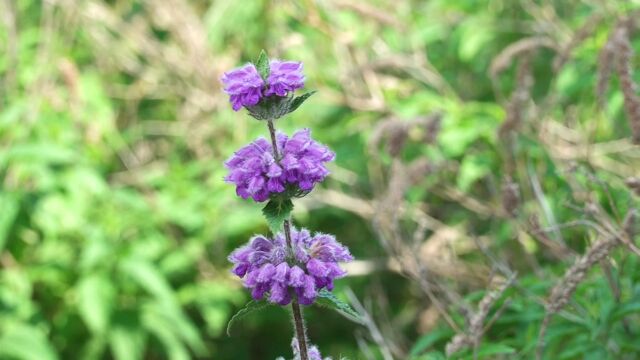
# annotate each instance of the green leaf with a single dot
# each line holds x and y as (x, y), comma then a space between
(95, 294)
(94, 348)
(485, 351)
(431, 355)
(165, 333)
(299, 100)
(473, 41)
(473, 168)
(25, 342)
(626, 309)
(166, 310)
(276, 212)
(149, 278)
(126, 337)
(250, 307)
(262, 64)
(427, 340)
(39, 153)
(9, 207)
(327, 299)
(271, 108)
(179, 323)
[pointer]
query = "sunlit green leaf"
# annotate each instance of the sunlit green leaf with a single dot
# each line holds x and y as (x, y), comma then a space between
(127, 341)
(25, 342)
(473, 168)
(95, 297)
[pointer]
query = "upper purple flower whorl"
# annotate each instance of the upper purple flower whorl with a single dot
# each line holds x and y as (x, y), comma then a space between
(244, 85)
(284, 76)
(247, 88)
(257, 174)
(267, 266)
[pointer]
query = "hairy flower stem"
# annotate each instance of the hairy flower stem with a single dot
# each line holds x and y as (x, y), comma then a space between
(298, 320)
(272, 132)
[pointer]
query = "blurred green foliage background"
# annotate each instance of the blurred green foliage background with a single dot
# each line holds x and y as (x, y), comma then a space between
(115, 222)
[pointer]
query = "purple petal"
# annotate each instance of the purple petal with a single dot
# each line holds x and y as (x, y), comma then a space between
(279, 294)
(266, 273)
(296, 276)
(282, 270)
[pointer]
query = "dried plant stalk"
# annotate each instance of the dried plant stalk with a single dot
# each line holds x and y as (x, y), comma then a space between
(629, 232)
(624, 54)
(476, 320)
(564, 289)
(519, 97)
(432, 127)
(558, 249)
(633, 183)
(505, 58)
(396, 131)
(605, 69)
(630, 225)
(510, 196)
(397, 138)
(578, 38)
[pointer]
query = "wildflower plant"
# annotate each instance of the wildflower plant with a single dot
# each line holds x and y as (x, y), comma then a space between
(292, 266)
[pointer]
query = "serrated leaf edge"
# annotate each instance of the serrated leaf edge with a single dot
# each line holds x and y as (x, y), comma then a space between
(340, 306)
(299, 100)
(251, 306)
(275, 222)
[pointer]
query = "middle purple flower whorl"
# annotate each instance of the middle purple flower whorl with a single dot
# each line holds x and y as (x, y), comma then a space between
(267, 266)
(257, 174)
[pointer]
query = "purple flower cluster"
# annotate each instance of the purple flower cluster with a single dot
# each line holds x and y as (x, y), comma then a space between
(269, 266)
(284, 76)
(292, 265)
(246, 87)
(257, 174)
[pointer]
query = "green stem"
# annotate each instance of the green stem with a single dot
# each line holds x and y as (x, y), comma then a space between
(298, 320)
(274, 143)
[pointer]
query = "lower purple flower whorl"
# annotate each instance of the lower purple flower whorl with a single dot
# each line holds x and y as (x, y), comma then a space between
(257, 174)
(268, 266)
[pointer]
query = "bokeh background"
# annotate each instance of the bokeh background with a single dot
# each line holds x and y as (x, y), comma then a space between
(475, 141)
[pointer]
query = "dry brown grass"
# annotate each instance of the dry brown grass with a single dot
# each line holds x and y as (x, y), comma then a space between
(476, 325)
(564, 289)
